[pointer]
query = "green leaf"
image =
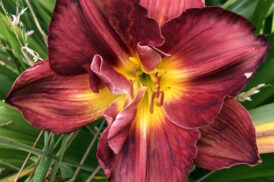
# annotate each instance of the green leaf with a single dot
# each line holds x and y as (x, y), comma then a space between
(264, 75)
(244, 7)
(12, 156)
(260, 13)
(10, 37)
(7, 77)
(66, 171)
(212, 3)
(19, 130)
(263, 114)
(60, 157)
(20, 146)
(228, 3)
(45, 162)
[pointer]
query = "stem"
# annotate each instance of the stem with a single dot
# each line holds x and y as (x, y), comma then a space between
(205, 176)
(9, 165)
(93, 174)
(14, 30)
(37, 22)
(28, 156)
(4, 58)
(88, 150)
(38, 152)
(34, 168)
(72, 136)
(58, 162)
(42, 167)
(30, 62)
(5, 124)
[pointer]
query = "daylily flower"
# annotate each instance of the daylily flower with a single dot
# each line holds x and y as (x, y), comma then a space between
(160, 74)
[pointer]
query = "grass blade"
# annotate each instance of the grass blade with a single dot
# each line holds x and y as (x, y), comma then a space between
(58, 162)
(41, 171)
(20, 146)
(260, 13)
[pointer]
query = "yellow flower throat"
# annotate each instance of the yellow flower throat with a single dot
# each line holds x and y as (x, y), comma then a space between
(153, 81)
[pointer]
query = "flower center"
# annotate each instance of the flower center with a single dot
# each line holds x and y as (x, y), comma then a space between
(152, 80)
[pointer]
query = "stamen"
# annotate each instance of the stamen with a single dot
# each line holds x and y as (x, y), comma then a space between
(151, 107)
(158, 91)
(156, 75)
(161, 103)
(159, 80)
(131, 89)
(159, 86)
(136, 64)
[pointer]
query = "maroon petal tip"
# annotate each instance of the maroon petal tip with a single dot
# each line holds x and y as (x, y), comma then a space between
(230, 140)
(214, 65)
(58, 103)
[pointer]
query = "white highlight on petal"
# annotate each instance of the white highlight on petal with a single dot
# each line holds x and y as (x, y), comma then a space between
(248, 74)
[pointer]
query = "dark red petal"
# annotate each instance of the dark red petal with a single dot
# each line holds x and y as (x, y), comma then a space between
(117, 83)
(95, 83)
(211, 39)
(149, 58)
(118, 131)
(214, 55)
(160, 151)
(165, 10)
(73, 41)
(52, 102)
(205, 95)
(230, 140)
(128, 19)
(104, 154)
(111, 112)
